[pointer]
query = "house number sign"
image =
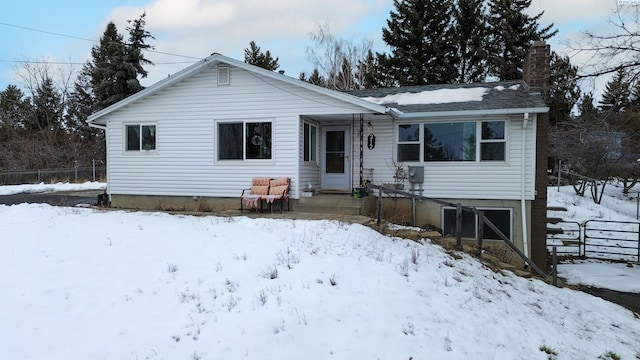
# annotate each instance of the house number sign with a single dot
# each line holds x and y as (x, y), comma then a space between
(371, 141)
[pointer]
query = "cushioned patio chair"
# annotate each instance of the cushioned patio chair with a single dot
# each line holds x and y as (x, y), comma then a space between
(278, 191)
(251, 197)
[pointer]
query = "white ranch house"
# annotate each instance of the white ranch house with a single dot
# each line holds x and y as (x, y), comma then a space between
(196, 139)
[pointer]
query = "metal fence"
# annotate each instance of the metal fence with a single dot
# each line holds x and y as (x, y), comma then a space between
(569, 241)
(76, 174)
(618, 240)
(598, 239)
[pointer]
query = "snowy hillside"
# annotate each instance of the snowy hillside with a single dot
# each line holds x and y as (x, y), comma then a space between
(86, 284)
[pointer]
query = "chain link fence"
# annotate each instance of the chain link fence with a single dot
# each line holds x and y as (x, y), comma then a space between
(76, 174)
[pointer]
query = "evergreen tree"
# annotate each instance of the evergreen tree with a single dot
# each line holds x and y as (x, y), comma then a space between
(586, 107)
(369, 73)
(15, 108)
(423, 50)
(136, 44)
(88, 142)
(254, 56)
(116, 65)
(315, 78)
(564, 92)
(617, 94)
(107, 68)
(512, 32)
(470, 31)
(47, 108)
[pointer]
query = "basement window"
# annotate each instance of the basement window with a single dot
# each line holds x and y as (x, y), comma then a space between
(501, 218)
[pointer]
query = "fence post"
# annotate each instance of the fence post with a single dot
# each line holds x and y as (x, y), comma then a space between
(379, 205)
(555, 266)
(559, 173)
(480, 232)
(93, 168)
(458, 226)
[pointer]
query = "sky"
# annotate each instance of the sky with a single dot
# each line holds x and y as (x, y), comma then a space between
(193, 29)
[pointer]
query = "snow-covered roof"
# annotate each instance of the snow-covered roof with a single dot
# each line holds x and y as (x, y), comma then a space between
(506, 97)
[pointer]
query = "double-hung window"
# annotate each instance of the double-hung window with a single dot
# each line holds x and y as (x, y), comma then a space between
(310, 142)
(244, 140)
(140, 137)
(409, 142)
(492, 143)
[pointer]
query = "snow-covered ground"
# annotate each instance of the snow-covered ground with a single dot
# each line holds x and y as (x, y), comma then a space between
(82, 283)
(47, 188)
(614, 206)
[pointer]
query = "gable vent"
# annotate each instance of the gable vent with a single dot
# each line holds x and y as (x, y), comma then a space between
(224, 75)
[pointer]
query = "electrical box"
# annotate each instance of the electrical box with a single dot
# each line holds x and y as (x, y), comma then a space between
(416, 174)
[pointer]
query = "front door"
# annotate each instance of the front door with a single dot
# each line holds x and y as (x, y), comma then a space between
(336, 164)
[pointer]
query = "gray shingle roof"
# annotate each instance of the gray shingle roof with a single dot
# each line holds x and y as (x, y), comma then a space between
(499, 95)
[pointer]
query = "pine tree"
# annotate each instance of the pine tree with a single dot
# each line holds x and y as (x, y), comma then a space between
(512, 32)
(136, 44)
(617, 94)
(254, 56)
(586, 107)
(470, 31)
(88, 142)
(564, 92)
(116, 65)
(420, 35)
(15, 108)
(47, 108)
(107, 68)
(315, 78)
(369, 74)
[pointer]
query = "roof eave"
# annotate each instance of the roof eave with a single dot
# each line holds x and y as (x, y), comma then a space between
(95, 118)
(461, 113)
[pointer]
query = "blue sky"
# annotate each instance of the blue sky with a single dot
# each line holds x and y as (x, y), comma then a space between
(200, 27)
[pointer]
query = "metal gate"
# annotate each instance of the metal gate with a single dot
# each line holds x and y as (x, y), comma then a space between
(612, 240)
(569, 241)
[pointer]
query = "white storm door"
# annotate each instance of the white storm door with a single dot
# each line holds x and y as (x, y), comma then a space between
(336, 162)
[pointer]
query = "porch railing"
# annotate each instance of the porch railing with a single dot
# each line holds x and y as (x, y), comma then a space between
(482, 220)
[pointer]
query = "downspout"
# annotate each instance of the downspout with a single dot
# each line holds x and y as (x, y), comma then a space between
(523, 207)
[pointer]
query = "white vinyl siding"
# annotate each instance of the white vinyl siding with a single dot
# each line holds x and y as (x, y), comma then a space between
(468, 179)
(186, 114)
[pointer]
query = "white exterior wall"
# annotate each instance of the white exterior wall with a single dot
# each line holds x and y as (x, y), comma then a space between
(184, 162)
(458, 179)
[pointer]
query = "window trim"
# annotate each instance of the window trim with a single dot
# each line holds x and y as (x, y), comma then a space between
(475, 222)
(481, 140)
(307, 157)
(478, 135)
(244, 122)
(125, 142)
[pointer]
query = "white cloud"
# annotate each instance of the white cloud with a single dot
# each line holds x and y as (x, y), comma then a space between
(200, 27)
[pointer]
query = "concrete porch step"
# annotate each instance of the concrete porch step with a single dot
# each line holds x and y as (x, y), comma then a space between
(339, 204)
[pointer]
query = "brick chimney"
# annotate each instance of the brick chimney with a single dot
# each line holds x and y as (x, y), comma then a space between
(536, 72)
(536, 67)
